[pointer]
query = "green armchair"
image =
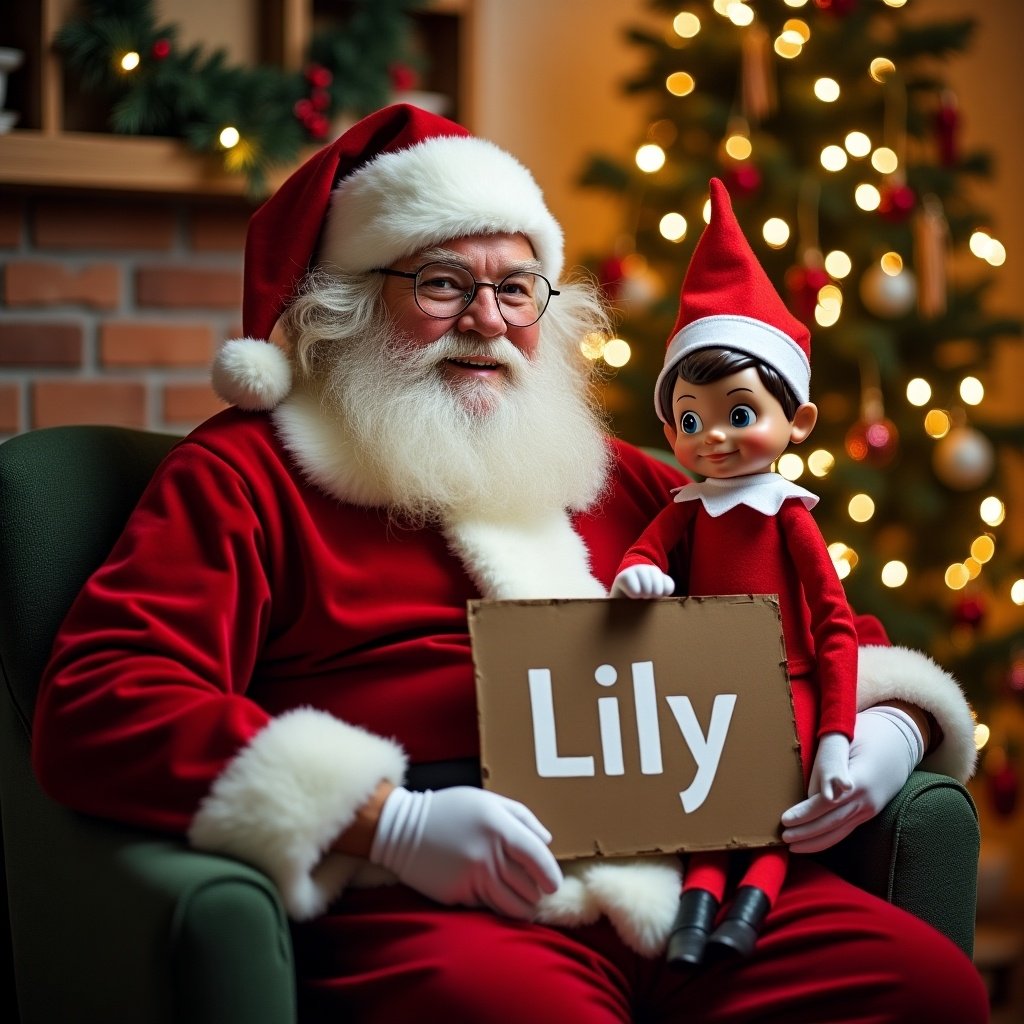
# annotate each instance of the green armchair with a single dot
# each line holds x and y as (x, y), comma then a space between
(113, 924)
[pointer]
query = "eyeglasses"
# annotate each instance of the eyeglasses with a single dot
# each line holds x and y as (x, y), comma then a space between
(445, 290)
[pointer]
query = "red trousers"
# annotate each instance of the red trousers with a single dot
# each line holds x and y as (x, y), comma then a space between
(828, 953)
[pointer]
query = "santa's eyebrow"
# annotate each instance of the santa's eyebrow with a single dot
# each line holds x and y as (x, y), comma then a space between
(439, 254)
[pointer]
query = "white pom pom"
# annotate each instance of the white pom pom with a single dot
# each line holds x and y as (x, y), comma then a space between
(252, 374)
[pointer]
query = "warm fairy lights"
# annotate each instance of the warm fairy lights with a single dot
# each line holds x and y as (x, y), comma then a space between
(972, 391)
(673, 227)
(894, 574)
(129, 61)
(229, 137)
(838, 264)
(919, 391)
(775, 232)
(650, 158)
(790, 466)
(992, 511)
(686, 25)
(827, 90)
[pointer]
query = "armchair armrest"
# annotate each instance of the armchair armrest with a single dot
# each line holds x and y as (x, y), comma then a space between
(920, 853)
(116, 924)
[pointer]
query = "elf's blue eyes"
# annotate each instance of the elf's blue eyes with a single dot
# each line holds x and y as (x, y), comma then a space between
(691, 423)
(742, 416)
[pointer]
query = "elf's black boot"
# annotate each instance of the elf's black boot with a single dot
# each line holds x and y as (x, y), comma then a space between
(738, 930)
(695, 918)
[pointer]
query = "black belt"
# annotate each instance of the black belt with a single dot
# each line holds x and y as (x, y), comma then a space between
(444, 774)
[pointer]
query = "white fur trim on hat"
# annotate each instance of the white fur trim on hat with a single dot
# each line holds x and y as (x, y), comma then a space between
(439, 189)
(764, 342)
(282, 801)
(254, 375)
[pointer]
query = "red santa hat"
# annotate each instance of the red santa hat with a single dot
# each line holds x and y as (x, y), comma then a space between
(727, 301)
(398, 181)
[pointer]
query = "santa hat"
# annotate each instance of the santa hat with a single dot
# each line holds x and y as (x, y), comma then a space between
(727, 301)
(396, 182)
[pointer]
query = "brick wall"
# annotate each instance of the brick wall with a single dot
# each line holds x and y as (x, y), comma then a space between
(113, 308)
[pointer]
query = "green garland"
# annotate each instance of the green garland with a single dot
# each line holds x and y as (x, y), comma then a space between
(193, 95)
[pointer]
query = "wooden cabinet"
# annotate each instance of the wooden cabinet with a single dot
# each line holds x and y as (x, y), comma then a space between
(60, 140)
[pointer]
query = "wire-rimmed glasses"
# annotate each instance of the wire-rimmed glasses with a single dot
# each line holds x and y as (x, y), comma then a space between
(445, 290)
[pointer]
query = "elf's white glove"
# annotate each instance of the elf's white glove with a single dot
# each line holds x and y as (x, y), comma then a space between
(467, 846)
(887, 746)
(642, 581)
(830, 774)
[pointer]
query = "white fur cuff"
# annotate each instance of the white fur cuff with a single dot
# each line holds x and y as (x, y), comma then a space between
(288, 794)
(898, 673)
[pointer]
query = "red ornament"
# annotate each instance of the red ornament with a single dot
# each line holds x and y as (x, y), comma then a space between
(840, 8)
(1004, 788)
(969, 611)
(161, 49)
(611, 275)
(320, 98)
(874, 442)
(742, 179)
(947, 131)
(802, 285)
(898, 201)
(403, 77)
(318, 76)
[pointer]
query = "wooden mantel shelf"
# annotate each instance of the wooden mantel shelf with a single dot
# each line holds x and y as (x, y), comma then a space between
(84, 160)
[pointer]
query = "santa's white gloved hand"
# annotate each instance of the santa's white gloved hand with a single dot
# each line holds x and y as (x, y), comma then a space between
(642, 581)
(830, 774)
(467, 846)
(887, 746)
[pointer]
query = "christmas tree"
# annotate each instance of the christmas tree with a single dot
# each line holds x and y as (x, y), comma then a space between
(839, 140)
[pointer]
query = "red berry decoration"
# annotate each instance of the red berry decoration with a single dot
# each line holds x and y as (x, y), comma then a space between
(161, 49)
(898, 202)
(318, 76)
(403, 77)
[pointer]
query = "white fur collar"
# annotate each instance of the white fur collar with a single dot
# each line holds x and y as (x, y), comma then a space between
(764, 492)
(541, 556)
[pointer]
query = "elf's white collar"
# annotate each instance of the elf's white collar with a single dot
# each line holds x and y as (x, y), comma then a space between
(763, 492)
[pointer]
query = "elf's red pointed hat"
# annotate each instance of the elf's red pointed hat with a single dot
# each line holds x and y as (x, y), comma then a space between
(396, 182)
(727, 301)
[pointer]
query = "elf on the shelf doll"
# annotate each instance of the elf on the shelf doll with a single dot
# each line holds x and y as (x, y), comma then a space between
(733, 394)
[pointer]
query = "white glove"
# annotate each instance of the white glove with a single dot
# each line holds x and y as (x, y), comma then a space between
(642, 581)
(830, 774)
(887, 746)
(467, 846)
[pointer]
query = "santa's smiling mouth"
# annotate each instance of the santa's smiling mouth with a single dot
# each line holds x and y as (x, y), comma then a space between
(475, 364)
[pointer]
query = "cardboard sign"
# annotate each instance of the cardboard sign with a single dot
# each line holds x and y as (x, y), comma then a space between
(634, 727)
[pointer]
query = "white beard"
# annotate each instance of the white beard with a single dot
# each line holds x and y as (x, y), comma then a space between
(530, 445)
